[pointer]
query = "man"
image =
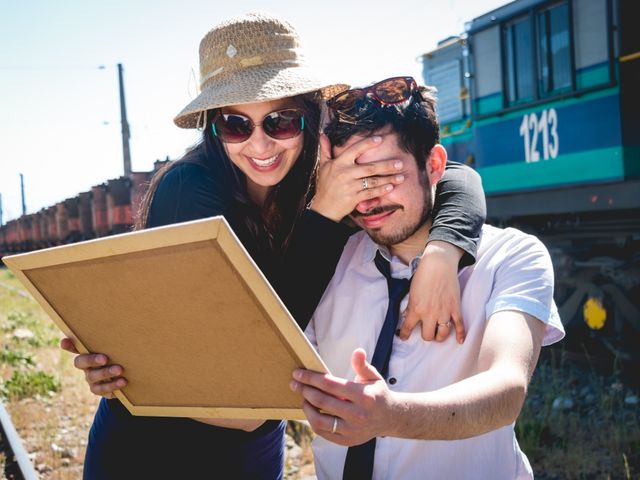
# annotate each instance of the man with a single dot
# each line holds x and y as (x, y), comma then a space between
(437, 410)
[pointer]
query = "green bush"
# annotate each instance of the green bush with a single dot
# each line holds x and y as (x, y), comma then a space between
(28, 384)
(15, 358)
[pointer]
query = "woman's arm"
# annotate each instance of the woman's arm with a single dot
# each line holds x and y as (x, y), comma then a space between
(319, 237)
(458, 215)
(309, 263)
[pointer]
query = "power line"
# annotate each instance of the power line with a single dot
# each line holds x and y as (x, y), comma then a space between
(55, 67)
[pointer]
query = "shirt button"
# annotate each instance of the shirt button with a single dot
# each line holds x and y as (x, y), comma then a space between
(393, 381)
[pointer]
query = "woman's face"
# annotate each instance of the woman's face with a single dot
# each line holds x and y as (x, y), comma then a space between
(264, 160)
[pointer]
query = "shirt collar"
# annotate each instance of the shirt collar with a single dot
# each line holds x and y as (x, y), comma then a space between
(398, 268)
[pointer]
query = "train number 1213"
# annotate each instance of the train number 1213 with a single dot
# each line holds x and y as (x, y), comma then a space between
(532, 128)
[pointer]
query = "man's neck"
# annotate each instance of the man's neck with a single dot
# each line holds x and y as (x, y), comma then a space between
(412, 246)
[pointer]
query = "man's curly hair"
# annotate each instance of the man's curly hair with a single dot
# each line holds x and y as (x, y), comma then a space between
(415, 121)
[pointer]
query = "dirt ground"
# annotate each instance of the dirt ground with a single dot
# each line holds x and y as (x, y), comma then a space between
(580, 420)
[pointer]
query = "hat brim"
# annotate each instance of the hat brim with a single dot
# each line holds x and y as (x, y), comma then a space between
(255, 85)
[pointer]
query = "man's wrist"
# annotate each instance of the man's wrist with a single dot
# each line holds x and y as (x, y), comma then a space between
(395, 415)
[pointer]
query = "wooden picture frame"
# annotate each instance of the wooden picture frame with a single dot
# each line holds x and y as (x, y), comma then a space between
(185, 310)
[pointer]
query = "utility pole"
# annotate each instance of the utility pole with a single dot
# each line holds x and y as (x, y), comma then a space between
(24, 205)
(125, 127)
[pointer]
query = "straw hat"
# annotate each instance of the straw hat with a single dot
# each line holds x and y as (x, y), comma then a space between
(251, 58)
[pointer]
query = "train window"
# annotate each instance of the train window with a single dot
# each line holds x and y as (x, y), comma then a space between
(518, 43)
(447, 78)
(554, 53)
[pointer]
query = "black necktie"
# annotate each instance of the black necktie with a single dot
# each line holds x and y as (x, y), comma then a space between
(359, 462)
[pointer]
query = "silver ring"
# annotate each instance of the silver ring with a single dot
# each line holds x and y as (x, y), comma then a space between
(448, 324)
(335, 425)
(365, 183)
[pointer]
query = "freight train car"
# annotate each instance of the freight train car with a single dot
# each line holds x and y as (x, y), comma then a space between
(106, 209)
(542, 98)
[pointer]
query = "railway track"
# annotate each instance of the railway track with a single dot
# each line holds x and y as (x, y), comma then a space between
(17, 465)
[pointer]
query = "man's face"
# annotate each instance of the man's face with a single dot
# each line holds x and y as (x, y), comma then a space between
(394, 218)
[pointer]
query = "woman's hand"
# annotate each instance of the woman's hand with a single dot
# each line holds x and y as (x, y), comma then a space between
(434, 297)
(103, 379)
(341, 181)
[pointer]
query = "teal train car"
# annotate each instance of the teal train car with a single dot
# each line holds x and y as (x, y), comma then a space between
(542, 98)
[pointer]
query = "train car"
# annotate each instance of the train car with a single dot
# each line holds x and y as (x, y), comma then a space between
(119, 205)
(107, 209)
(541, 98)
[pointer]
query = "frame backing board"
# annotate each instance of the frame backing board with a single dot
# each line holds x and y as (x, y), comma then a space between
(185, 310)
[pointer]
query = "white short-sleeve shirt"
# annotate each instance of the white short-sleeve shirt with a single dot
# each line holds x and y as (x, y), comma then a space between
(513, 271)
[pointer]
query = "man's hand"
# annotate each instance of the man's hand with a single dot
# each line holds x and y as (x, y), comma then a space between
(103, 379)
(434, 298)
(359, 410)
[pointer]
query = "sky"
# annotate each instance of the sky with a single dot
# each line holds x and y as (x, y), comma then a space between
(59, 100)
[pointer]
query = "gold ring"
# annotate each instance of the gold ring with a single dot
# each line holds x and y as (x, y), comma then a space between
(365, 183)
(335, 425)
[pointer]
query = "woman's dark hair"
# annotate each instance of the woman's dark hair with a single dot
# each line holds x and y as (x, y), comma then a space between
(415, 122)
(272, 224)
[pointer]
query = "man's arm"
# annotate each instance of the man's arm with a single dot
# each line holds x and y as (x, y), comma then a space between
(486, 401)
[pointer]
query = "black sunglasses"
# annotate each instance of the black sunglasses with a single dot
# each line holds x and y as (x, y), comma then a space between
(358, 102)
(237, 128)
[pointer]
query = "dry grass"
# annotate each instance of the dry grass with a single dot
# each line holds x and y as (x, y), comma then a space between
(597, 437)
(53, 425)
(596, 434)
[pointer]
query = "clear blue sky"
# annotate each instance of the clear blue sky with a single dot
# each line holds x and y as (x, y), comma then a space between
(60, 117)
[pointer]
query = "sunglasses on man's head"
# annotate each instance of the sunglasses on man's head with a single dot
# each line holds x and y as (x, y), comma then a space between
(237, 128)
(358, 102)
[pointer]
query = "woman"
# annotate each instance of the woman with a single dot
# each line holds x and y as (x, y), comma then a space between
(259, 109)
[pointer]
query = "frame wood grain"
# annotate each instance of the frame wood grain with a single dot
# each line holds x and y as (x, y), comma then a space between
(185, 310)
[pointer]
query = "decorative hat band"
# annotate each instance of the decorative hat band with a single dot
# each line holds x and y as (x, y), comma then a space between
(294, 57)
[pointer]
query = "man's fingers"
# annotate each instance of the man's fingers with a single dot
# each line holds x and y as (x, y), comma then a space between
(365, 372)
(326, 403)
(90, 360)
(323, 424)
(67, 345)
(338, 387)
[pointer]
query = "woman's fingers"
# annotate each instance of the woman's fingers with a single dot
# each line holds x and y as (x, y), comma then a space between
(106, 389)
(378, 168)
(367, 183)
(103, 379)
(99, 375)
(67, 345)
(351, 154)
(85, 361)
(325, 150)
